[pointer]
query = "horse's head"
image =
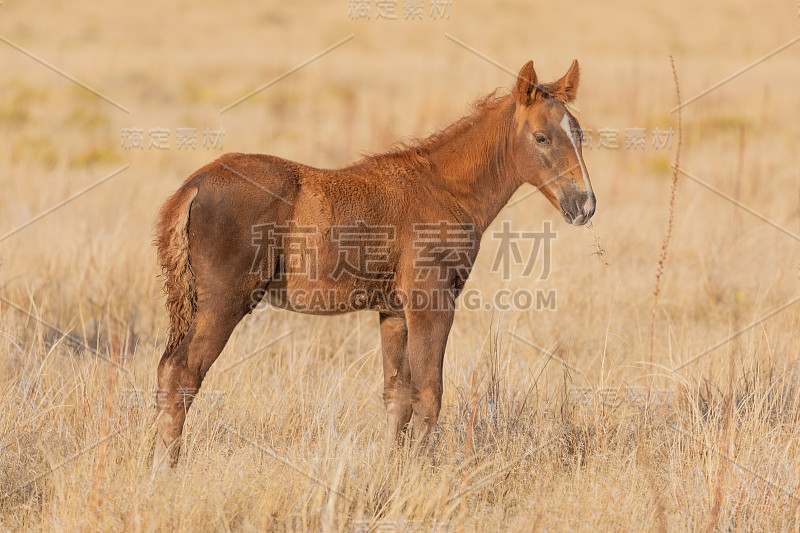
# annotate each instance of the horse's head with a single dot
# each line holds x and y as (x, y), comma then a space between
(546, 143)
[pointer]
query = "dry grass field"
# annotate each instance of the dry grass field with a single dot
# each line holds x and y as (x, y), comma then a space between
(545, 423)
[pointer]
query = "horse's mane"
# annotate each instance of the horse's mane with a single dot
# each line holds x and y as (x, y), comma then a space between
(412, 152)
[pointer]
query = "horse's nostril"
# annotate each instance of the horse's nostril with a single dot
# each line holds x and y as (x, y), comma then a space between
(588, 205)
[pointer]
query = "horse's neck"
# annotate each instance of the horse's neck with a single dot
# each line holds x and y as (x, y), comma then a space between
(471, 163)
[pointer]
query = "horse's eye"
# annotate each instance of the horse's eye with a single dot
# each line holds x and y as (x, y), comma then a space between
(541, 139)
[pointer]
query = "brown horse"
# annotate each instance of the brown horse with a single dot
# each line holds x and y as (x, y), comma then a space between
(395, 233)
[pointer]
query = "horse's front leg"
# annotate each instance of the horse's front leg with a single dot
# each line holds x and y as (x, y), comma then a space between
(427, 338)
(396, 375)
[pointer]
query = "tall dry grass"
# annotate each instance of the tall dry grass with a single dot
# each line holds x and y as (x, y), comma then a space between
(287, 432)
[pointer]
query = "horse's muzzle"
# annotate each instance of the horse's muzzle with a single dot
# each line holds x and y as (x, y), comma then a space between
(578, 207)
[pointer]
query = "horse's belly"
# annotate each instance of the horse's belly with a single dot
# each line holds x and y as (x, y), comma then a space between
(325, 298)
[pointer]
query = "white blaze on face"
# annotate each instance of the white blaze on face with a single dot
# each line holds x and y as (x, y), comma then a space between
(568, 130)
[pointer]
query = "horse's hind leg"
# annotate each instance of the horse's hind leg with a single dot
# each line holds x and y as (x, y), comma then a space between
(181, 373)
(226, 292)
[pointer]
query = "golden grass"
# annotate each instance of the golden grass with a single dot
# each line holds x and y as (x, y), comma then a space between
(292, 437)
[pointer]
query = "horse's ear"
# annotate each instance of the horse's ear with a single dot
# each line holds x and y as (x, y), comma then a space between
(566, 88)
(526, 84)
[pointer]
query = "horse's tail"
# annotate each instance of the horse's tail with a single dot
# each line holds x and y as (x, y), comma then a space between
(172, 242)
